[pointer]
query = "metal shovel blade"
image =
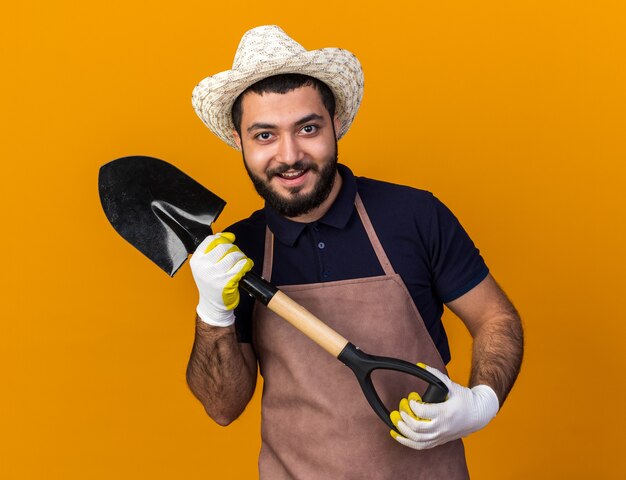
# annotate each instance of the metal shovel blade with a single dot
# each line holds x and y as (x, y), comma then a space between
(157, 208)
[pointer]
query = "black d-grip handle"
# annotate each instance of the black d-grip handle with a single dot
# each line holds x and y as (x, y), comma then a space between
(363, 364)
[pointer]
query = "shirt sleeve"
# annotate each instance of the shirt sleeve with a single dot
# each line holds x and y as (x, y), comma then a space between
(456, 263)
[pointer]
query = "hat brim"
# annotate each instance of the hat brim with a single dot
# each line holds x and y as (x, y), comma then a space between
(213, 97)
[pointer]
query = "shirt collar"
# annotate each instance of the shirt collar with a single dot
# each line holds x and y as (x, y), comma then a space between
(288, 231)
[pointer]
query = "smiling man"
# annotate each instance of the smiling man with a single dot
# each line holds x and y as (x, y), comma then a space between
(376, 261)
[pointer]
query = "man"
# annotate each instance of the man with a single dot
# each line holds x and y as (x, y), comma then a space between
(375, 261)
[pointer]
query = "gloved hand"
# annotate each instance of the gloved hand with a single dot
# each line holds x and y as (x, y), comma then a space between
(426, 425)
(217, 266)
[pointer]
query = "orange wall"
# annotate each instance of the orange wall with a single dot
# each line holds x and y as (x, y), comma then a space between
(511, 112)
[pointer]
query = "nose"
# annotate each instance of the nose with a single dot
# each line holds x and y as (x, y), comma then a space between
(289, 150)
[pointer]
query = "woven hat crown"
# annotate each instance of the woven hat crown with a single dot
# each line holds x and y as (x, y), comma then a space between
(264, 44)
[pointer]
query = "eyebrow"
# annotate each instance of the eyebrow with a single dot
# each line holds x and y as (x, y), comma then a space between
(308, 118)
(269, 126)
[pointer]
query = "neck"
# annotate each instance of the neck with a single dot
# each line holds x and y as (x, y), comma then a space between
(319, 211)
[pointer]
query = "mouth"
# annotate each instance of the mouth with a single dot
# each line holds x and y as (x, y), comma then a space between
(293, 177)
(292, 174)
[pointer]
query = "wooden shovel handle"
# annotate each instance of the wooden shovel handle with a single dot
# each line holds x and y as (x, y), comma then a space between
(298, 316)
(307, 323)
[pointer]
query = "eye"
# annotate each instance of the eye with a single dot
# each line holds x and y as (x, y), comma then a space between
(263, 136)
(309, 129)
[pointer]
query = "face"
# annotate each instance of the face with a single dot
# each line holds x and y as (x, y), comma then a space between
(289, 149)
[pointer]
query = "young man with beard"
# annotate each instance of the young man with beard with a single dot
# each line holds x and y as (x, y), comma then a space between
(375, 261)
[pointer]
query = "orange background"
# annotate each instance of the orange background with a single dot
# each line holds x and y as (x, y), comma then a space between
(511, 112)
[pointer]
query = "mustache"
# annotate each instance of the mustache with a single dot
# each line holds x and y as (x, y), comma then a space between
(299, 165)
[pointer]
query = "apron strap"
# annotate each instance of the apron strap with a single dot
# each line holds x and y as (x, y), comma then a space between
(371, 234)
(268, 259)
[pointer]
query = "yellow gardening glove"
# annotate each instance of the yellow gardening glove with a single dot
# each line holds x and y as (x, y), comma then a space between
(396, 417)
(426, 425)
(217, 266)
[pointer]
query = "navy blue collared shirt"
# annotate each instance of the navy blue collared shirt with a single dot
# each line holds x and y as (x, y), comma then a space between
(424, 241)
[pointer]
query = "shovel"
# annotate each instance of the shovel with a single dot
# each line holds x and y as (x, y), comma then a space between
(166, 214)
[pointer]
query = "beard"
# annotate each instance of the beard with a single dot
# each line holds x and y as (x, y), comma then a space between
(297, 203)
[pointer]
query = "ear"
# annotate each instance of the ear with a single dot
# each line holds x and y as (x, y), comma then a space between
(237, 139)
(337, 124)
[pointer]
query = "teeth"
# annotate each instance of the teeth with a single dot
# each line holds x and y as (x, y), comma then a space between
(291, 174)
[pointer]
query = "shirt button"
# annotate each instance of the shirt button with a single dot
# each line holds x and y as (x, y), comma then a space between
(321, 245)
(325, 274)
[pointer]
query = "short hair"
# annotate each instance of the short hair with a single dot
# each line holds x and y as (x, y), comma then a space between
(283, 83)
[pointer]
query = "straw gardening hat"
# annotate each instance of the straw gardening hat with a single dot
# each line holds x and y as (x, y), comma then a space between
(267, 51)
